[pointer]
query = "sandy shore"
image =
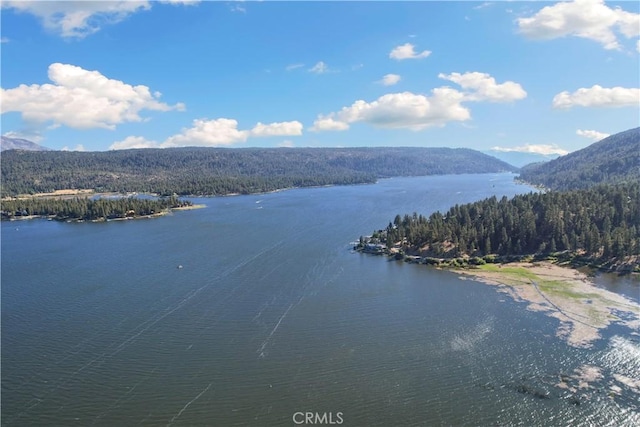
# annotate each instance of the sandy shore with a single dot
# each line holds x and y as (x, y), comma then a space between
(188, 208)
(155, 215)
(58, 194)
(568, 295)
(70, 194)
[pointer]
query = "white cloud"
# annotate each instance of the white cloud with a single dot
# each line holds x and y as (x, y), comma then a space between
(483, 5)
(238, 8)
(406, 51)
(4, 40)
(78, 147)
(400, 110)
(78, 19)
(277, 129)
(416, 111)
(208, 133)
(598, 96)
(293, 66)
(212, 133)
(485, 88)
(592, 134)
(286, 144)
(544, 149)
(82, 99)
(181, 2)
(133, 142)
(390, 79)
(319, 68)
(590, 19)
(328, 124)
(638, 46)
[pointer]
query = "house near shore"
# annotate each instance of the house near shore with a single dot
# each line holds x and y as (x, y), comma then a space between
(375, 248)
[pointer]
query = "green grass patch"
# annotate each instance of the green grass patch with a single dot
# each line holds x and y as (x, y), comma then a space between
(551, 287)
(595, 315)
(514, 272)
(559, 288)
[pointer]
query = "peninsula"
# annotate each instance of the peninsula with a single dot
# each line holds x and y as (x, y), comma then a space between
(526, 243)
(79, 209)
(537, 237)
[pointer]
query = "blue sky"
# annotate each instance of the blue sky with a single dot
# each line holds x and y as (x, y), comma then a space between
(542, 77)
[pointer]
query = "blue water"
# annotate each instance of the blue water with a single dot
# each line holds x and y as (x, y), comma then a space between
(272, 314)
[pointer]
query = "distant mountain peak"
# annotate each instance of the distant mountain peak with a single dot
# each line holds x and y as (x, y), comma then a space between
(20, 144)
(519, 158)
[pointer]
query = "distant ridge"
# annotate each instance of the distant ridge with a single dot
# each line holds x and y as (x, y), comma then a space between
(217, 171)
(520, 159)
(20, 144)
(612, 160)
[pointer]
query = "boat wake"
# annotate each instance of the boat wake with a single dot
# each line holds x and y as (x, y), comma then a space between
(273, 331)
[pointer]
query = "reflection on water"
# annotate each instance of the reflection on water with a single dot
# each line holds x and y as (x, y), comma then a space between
(468, 340)
(272, 314)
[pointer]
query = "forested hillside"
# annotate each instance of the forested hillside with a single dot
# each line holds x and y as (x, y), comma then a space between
(215, 171)
(87, 209)
(602, 222)
(614, 159)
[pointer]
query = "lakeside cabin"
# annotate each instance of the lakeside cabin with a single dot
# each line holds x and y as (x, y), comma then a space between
(375, 248)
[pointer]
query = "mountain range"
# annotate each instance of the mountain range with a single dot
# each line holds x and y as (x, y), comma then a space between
(216, 171)
(520, 159)
(212, 170)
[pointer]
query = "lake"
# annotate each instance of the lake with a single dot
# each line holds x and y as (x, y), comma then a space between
(272, 315)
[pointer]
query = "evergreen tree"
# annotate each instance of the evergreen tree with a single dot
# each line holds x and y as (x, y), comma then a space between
(601, 221)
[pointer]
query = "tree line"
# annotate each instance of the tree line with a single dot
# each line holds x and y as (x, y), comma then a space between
(219, 171)
(82, 208)
(602, 222)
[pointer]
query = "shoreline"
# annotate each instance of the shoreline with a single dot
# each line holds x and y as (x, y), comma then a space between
(70, 193)
(568, 295)
(188, 208)
(562, 292)
(69, 220)
(89, 192)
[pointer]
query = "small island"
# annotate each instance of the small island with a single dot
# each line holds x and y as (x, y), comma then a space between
(78, 209)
